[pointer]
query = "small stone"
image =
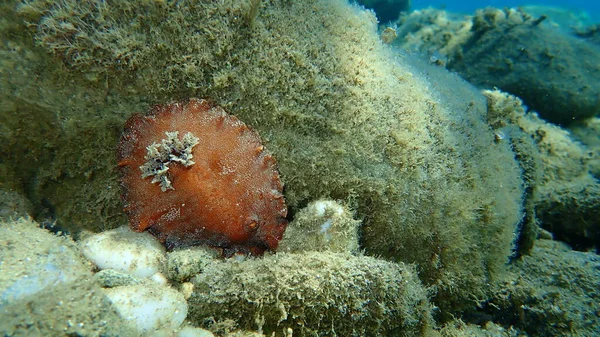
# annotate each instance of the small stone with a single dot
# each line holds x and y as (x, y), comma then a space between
(110, 278)
(388, 35)
(149, 307)
(121, 249)
(183, 264)
(190, 331)
(187, 288)
(323, 225)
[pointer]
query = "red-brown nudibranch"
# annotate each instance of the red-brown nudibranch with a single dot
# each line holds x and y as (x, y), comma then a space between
(193, 174)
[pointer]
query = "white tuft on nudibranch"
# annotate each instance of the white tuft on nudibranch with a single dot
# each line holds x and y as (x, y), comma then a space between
(170, 150)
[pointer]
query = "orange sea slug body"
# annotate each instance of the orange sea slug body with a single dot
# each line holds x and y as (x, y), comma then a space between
(192, 174)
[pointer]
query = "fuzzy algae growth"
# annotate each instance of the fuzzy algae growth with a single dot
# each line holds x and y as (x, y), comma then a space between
(323, 225)
(335, 294)
(347, 119)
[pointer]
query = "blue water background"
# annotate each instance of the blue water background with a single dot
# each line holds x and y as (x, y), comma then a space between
(592, 7)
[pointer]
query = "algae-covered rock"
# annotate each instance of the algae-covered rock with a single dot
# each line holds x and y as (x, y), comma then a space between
(75, 309)
(553, 72)
(346, 118)
(554, 292)
(556, 74)
(572, 213)
(566, 18)
(45, 287)
(567, 190)
(591, 34)
(313, 294)
(458, 328)
(14, 205)
(183, 264)
(323, 225)
(32, 259)
(587, 133)
(506, 114)
(570, 193)
(436, 33)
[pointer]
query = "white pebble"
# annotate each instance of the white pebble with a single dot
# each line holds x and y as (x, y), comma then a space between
(149, 307)
(159, 278)
(137, 254)
(190, 331)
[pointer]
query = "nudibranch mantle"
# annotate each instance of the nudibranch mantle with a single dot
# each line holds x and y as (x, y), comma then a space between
(214, 185)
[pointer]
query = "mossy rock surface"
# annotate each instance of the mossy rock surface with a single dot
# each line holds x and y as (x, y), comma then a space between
(407, 146)
(313, 294)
